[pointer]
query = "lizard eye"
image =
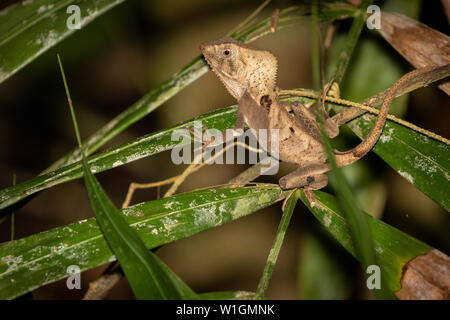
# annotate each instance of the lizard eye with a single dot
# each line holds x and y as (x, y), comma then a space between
(226, 52)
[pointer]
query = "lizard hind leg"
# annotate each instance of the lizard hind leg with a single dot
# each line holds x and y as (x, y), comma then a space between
(320, 181)
(311, 178)
(331, 127)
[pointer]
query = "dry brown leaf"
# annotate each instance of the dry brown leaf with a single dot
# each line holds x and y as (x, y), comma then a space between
(426, 277)
(419, 44)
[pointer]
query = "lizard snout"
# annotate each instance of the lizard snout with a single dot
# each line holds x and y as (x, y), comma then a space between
(206, 50)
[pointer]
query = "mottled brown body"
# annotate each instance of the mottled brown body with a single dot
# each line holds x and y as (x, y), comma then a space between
(298, 139)
(426, 277)
(250, 76)
(298, 136)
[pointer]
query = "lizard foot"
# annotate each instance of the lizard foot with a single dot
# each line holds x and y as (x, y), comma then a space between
(311, 178)
(195, 136)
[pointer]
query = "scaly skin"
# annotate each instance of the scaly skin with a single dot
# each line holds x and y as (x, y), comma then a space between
(249, 75)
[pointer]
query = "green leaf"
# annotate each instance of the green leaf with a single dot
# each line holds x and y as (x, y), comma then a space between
(393, 248)
(423, 161)
(28, 263)
(149, 277)
(30, 28)
(134, 150)
(420, 160)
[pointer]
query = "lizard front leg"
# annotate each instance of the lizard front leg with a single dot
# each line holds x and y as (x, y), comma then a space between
(311, 178)
(239, 125)
(213, 141)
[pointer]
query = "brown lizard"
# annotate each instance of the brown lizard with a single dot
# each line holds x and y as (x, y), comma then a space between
(249, 75)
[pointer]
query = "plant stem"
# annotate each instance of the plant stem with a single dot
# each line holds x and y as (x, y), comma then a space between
(352, 41)
(69, 99)
(276, 246)
(315, 46)
(249, 18)
(360, 232)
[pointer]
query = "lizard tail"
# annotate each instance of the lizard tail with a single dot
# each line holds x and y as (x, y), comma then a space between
(348, 157)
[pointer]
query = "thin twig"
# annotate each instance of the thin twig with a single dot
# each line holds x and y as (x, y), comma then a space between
(134, 186)
(248, 175)
(193, 167)
(249, 18)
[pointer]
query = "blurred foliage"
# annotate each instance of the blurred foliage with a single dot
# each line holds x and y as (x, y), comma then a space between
(321, 276)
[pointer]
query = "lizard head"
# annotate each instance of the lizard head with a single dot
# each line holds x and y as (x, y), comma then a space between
(241, 68)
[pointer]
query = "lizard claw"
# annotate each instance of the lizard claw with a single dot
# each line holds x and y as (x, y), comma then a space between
(286, 200)
(196, 137)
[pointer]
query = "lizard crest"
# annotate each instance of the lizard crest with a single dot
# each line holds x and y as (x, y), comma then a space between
(241, 68)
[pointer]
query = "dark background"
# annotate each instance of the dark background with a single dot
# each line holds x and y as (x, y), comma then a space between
(118, 58)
